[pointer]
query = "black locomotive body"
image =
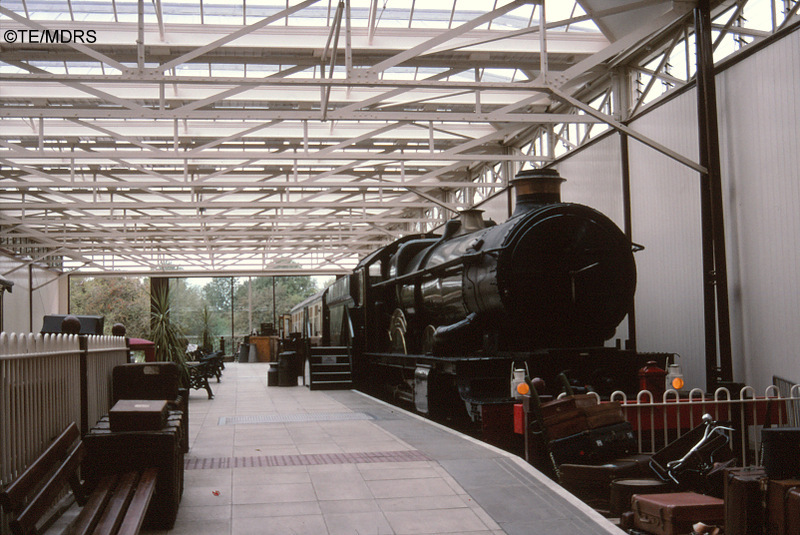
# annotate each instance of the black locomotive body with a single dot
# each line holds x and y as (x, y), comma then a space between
(440, 321)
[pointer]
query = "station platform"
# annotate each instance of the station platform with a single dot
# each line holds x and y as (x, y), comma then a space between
(287, 460)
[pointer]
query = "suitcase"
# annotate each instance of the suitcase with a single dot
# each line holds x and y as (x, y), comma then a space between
(604, 414)
(745, 489)
(793, 511)
(594, 446)
(592, 482)
(781, 452)
(777, 490)
(675, 513)
(138, 415)
(566, 423)
(622, 490)
(578, 419)
(567, 404)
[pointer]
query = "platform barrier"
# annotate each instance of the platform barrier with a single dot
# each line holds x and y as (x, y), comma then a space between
(659, 422)
(48, 381)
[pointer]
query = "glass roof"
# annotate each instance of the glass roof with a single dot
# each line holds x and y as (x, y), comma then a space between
(261, 136)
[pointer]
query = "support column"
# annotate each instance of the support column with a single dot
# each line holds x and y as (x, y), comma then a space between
(715, 276)
(627, 227)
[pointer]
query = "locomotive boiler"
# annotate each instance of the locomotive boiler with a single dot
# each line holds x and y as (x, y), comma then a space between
(442, 320)
(552, 275)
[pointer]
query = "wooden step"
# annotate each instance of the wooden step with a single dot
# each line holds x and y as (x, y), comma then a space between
(329, 368)
(331, 385)
(322, 368)
(328, 350)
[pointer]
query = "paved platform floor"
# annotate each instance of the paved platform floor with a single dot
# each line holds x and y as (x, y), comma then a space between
(286, 460)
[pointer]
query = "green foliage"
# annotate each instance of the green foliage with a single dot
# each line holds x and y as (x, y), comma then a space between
(217, 293)
(288, 292)
(122, 300)
(167, 336)
(207, 344)
(201, 313)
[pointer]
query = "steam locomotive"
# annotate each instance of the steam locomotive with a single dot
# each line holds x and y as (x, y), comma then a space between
(441, 321)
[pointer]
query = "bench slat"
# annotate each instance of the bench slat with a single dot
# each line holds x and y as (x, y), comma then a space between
(138, 506)
(112, 517)
(90, 513)
(119, 502)
(25, 522)
(12, 498)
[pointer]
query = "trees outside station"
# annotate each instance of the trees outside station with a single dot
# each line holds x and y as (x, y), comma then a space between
(204, 309)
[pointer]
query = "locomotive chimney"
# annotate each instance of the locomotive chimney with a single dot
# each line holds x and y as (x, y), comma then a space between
(536, 187)
(471, 220)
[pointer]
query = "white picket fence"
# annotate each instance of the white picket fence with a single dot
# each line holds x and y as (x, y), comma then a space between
(103, 353)
(658, 422)
(40, 390)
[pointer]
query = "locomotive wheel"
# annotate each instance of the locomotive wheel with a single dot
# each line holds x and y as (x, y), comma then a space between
(427, 340)
(446, 405)
(397, 332)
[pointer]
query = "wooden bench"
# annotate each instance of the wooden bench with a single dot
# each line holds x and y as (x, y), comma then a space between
(199, 374)
(117, 506)
(215, 364)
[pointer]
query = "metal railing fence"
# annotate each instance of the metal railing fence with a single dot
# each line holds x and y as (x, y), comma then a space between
(659, 422)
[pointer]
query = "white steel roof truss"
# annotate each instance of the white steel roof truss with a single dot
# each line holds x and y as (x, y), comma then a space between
(229, 148)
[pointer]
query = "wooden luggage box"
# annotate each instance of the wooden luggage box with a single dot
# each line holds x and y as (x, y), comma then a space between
(778, 494)
(745, 491)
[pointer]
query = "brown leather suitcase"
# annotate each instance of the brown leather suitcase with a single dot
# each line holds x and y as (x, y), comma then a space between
(777, 490)
(624, 488)
(745, 490)
(582, 418)
(675, 513)
(567, 404)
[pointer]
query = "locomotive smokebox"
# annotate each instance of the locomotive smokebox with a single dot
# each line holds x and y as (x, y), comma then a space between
(554, 274)
(535, 188)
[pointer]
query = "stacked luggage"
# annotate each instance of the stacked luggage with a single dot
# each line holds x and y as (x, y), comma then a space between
(689, 487)
(591, 445)
(753, 504)
(755, 500)
(582, 430)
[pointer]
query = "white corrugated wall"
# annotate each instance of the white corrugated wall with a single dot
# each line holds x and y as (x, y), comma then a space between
(18, 314)
(759, 121)
(759, 118)
(665, 199)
